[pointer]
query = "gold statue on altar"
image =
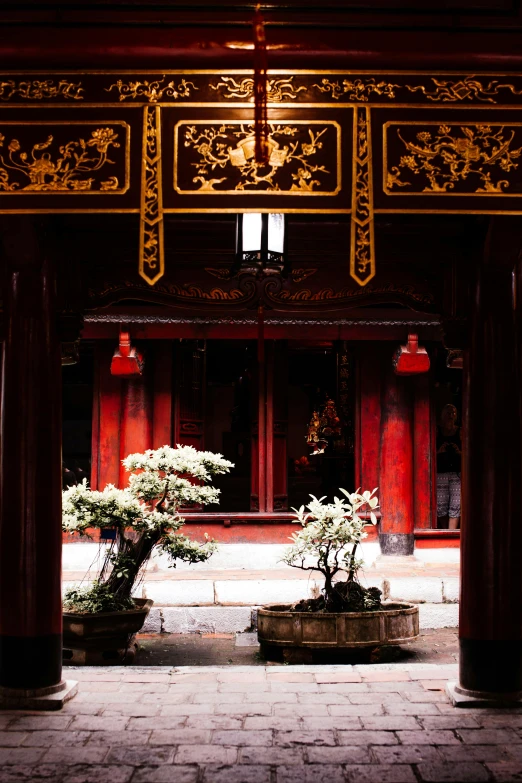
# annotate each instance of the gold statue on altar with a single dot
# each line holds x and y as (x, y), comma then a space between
(312, 436)
(330, 423)
(324, 426)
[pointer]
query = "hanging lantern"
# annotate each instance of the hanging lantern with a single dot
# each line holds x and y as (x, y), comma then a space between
(260, 244)
(127, 361)
(411, 359)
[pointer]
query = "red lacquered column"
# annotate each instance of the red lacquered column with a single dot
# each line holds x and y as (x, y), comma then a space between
(491, 536)
(396, 466)
(30, 467)
(136, 420)
(422, 451)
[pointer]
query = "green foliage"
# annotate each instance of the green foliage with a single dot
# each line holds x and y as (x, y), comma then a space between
(97, 598)
(328, 541)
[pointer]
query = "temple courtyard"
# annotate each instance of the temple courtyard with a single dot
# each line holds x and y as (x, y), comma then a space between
(374, 723)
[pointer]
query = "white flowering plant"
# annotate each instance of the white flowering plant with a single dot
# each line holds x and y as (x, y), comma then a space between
(328, 542)
(142, 518)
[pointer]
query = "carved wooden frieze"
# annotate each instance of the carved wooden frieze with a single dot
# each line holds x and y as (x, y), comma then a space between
(359, 143)
(237, 87)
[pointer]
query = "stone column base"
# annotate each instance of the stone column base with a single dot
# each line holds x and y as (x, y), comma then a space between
(460, 697)
(397, 544)
(51, 698)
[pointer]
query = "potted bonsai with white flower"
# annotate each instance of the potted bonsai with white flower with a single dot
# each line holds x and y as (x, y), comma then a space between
(101, 618)
(346, 615)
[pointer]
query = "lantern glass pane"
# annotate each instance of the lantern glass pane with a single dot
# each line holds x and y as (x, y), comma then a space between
(276, 233)
(251, 232)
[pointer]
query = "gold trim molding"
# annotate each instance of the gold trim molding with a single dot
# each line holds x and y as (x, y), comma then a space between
(152, 254)
(362, 240)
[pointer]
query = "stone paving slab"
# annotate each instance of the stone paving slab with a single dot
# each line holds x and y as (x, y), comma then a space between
(376, 723)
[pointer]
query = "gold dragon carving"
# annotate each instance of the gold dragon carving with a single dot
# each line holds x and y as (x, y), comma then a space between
(277, 90)
(468, 88)
(218, 155)
(153, 91)
(64, 171)
(362, 249)
(465, 155)
(38, 90)
(152, 258)
(357, 89)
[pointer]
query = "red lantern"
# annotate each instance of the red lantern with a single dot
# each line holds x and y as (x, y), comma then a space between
(411, 359)
(127, 360)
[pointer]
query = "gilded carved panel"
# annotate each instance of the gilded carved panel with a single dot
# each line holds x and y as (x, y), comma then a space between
(452, 159)
(218, 157)
(64, 158)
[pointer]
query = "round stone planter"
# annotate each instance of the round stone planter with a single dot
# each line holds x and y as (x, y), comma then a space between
(306, 636)
(105, 638)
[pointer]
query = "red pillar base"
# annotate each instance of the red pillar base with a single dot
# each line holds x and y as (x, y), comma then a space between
(50, 698)
(490, 666)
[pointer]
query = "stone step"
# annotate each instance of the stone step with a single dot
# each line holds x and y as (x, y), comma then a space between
(236, 619)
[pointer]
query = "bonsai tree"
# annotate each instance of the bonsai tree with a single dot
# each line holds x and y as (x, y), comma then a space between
(328, 543)
(142, 518)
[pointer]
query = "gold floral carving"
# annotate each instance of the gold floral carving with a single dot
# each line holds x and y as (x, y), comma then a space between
(277, 90)
(152, 258)
(362, 248)
(38, 90)
(473, 159)
(357, 89)
(153, 91)
(228, 150)
(468, 88)
(43, 169)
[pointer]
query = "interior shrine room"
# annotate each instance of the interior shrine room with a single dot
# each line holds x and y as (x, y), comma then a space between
(289, 235)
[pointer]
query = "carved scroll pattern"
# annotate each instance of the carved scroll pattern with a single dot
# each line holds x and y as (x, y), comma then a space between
(152, 258)
(362, 249)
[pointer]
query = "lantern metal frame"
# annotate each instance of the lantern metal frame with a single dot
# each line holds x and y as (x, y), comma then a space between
(262, 262)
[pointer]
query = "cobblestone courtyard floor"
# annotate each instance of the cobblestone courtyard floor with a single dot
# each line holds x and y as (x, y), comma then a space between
(387, 723)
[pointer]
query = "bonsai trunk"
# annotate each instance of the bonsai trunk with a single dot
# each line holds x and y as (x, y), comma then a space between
(138, 554)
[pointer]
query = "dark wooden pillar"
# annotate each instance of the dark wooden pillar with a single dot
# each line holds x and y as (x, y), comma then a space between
(491, 536)
(396, 466)
(30, 465)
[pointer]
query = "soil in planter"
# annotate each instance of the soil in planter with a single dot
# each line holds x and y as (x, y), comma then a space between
(345, 597)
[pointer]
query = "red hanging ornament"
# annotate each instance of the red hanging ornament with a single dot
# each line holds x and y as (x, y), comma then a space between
(260, 89)
(127, 360)
(412, 358)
